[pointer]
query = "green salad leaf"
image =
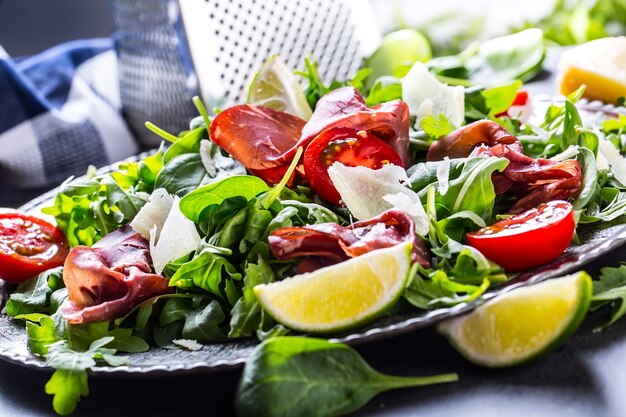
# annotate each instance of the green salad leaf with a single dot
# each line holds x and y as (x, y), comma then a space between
(33, 295)
(194, 203)
(298, 376)
(610, 290)
(69, 381)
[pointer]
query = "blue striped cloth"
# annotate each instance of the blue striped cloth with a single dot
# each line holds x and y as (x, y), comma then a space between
(60, 112)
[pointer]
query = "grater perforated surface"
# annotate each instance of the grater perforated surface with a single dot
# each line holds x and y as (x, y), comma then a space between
(230, 39)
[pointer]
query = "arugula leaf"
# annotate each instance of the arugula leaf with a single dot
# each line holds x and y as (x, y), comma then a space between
(615, 125)
(86, 209)
(385, 88)
(67, 386)
(610, 290)
(289, 376)
(316, 87)
(463, 264)
(436, 127)
(247, 314)
(42, 331)
(81, 336)
(33, 296)
(69, 381)
(429, 289)
(589, 188)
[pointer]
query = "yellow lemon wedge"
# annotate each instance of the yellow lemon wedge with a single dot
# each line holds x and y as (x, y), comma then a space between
(340, 296)
(522, 324)
(600, 65)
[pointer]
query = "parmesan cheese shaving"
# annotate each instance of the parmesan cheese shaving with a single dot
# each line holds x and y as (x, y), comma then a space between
(177, 238)
(368, 192)
(426, 96)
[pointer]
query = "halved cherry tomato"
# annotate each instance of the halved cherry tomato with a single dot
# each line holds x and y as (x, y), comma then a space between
(28, 245)
(528, 239)
(349, 146)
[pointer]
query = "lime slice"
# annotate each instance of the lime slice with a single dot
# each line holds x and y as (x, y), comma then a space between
(276, 87)
(340, 296)
(397, 53)
(522, 324)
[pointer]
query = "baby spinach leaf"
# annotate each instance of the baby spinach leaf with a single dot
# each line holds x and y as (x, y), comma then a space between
(217, 215)
(512, 57)
(311, 213)
(247, 186)
(202, 320)
(128, 202)
(246, 316)
(187, 144)
(298, 376)
(182, 174)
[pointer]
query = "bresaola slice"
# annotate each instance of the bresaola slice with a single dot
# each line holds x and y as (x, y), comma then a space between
(107, 280)
(329, 243)
(257, 136)
(533, 180)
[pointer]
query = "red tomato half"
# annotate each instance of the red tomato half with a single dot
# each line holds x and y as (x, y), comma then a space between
(529, 239)
(28, 246)
(349, 146)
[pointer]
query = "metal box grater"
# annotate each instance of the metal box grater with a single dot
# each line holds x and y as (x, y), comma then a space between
(169, 50)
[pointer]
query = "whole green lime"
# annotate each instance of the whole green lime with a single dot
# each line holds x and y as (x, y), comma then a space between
(397, 53)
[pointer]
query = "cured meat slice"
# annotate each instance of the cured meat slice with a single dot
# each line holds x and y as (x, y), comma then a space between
(107, 280)
(330, 243)
(461, 142)
(257, 136)
(533, 180)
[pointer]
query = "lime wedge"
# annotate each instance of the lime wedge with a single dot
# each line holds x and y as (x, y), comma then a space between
(340, 296)
(522, 324)
(276, 87)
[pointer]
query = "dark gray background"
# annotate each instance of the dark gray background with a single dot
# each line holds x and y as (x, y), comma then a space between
(30, 26)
